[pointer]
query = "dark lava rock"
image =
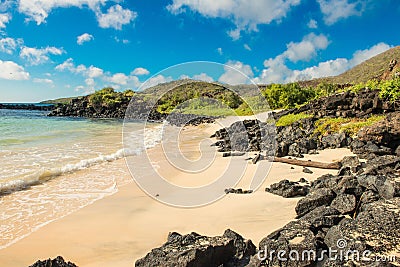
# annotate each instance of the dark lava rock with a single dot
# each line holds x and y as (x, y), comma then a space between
(353, 162)
(344, 203)
(380, 184)
(57, 262)
(307, 170)
(287, 189)
(374, 229)
(386, 132)
(195, 250)
(237, 191)
(301, 235)
(314, 199)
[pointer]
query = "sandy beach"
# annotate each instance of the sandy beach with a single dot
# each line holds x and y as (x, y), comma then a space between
(119, 229)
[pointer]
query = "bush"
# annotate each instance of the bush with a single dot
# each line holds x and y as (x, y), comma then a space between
(350, 126)
(390, 90)
(288, 96)
(291, 118)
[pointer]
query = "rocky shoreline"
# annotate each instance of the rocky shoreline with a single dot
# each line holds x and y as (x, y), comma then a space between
(356, 210)
(27, 107)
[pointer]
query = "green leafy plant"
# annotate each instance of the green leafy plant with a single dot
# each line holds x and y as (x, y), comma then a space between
(291, 118)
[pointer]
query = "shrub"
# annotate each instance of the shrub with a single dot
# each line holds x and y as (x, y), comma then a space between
(291, 118)
(350, 126)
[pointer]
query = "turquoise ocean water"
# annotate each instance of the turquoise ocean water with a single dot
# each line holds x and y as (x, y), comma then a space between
(52, 166)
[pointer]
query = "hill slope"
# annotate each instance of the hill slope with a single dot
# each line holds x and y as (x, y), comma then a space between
(377, 67)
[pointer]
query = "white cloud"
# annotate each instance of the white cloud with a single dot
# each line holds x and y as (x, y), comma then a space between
(119, 78)
(307, 48)
(10, 70)
(203, 77)
(335, 10)
(247, 47)
(86, 37)
(245, 14)
(37, 56)
(94, 72)
(89, 72)
(44, 81)
(9, 45)
(4, 19)
(153, 81)
(116, 17)
(278, 72)
(124, 41)
(312, 24)
(39, 10)
(219, 50)
(140, 71)
(236, 72)
(362, 55)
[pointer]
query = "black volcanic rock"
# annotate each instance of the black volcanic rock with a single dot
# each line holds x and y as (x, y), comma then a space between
(195, 250)
(288, 189)
(316, 198)
(57, 262)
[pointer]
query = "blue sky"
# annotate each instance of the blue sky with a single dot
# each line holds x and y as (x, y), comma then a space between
(60, 48)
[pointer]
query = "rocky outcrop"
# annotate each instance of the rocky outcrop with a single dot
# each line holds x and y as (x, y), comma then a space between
(57, 262)
(195, 250)
(27, 107)
(288, 189)
(140, 110)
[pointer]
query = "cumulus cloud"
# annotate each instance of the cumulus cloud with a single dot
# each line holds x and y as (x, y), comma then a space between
(86, 37)
(278, 72)
(9, 45)
(89, 72)
(39, 10)
(44, 81)
(307, 48)
(4, 19)
(140, 71)
(36, 56)
(245, 14)
(94, 72)
(116, 17)
(236, 73)
(119, 78)
(312, 24)
(335, 10)
(153, 81)
(10, 70)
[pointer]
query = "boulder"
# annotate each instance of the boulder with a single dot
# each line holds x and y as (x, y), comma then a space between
(288, 189)
(230, 249)
(56, 262)
(316, 198)
(344, 203)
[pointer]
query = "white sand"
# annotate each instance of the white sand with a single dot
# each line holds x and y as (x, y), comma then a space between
(121, 228)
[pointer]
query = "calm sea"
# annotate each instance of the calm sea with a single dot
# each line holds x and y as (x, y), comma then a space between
(52, 166)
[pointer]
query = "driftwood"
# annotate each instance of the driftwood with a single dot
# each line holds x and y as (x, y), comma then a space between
(314, 164)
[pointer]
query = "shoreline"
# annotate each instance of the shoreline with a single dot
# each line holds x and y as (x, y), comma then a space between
(120, 228)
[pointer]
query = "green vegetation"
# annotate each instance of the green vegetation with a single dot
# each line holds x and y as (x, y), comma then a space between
(64, 100)
(291, 118)
(288, 95)
(390, 90)
(107, 97)
(350, 126)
